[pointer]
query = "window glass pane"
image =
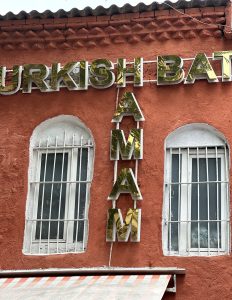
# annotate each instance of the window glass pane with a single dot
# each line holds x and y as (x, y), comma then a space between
(80, 197)
(174, 201)
(51, 200)
(215, 202)
(205, 202)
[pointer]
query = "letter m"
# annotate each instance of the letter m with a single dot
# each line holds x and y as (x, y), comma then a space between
(123, 229)
(133, 145)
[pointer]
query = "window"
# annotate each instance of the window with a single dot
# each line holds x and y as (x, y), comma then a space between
(196, 192)
(60, 174)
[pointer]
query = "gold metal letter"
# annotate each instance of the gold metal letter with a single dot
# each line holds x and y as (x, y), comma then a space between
(58, 75)
(134, 144)
(136, 71)
(101, 76)
(80, 75)
(125, 183)
(169, 69)
(128, 106)
(16, 81)
(36, 74)
(225, 56)
(201, 69)
(116, 226)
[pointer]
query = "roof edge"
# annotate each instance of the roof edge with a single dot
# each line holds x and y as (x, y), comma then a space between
(113, 9)
(93, 271)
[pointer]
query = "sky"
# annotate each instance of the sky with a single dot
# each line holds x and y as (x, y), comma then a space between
(54, 5)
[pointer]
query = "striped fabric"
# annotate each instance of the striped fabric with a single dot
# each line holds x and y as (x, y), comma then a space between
(130, 287)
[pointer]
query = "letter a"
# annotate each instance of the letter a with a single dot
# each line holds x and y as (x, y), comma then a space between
(128, 106)
(125, 183)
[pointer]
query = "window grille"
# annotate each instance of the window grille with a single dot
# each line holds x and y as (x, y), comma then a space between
(196, 220)
(57, 216)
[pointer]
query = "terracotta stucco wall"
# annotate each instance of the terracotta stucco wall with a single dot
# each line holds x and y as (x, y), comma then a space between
(165, 108)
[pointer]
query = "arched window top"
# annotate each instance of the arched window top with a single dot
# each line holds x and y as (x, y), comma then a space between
(196, 192)
(54, 129)
(60, 175)
(195, 135)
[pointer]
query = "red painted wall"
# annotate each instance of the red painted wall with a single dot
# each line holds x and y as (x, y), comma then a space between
(165, 108)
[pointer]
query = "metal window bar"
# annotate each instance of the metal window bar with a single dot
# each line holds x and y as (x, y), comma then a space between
(60, 195)
(51, 196)
(42, 228)
(60, 219)
(196, 182)
(202, 220)
(227, 202)
(179, 196)
(170, 202)
(52, 147)
(60, 181)
(70, 188)
(188, 212)
(213, 185)
(79, 159)
(217, 196)
(35, 193)
(207, 186)
(86, 203)
(42, 201)
(198, 206)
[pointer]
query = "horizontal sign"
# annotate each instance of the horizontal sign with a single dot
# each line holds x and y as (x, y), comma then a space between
(102, 73)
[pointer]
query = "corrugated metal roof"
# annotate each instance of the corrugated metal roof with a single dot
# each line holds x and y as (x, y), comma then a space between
(112, 10)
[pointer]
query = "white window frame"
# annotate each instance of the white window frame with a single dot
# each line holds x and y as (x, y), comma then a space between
(202, 143)
(76, 137)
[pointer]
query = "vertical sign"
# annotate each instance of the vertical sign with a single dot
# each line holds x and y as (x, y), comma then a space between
(126, 181)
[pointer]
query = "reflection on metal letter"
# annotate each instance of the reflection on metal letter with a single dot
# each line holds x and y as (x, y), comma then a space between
(169, 69)
(58, 75)
(128, 106)
(12, 88)
(136, 71)
(125, 183)
(130, 227)
(35, 74)
(201, 69)
(225, 56)
(134, 144)
(101, 76)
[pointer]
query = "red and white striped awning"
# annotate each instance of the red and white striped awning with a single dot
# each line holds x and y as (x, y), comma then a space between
(85, 287)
